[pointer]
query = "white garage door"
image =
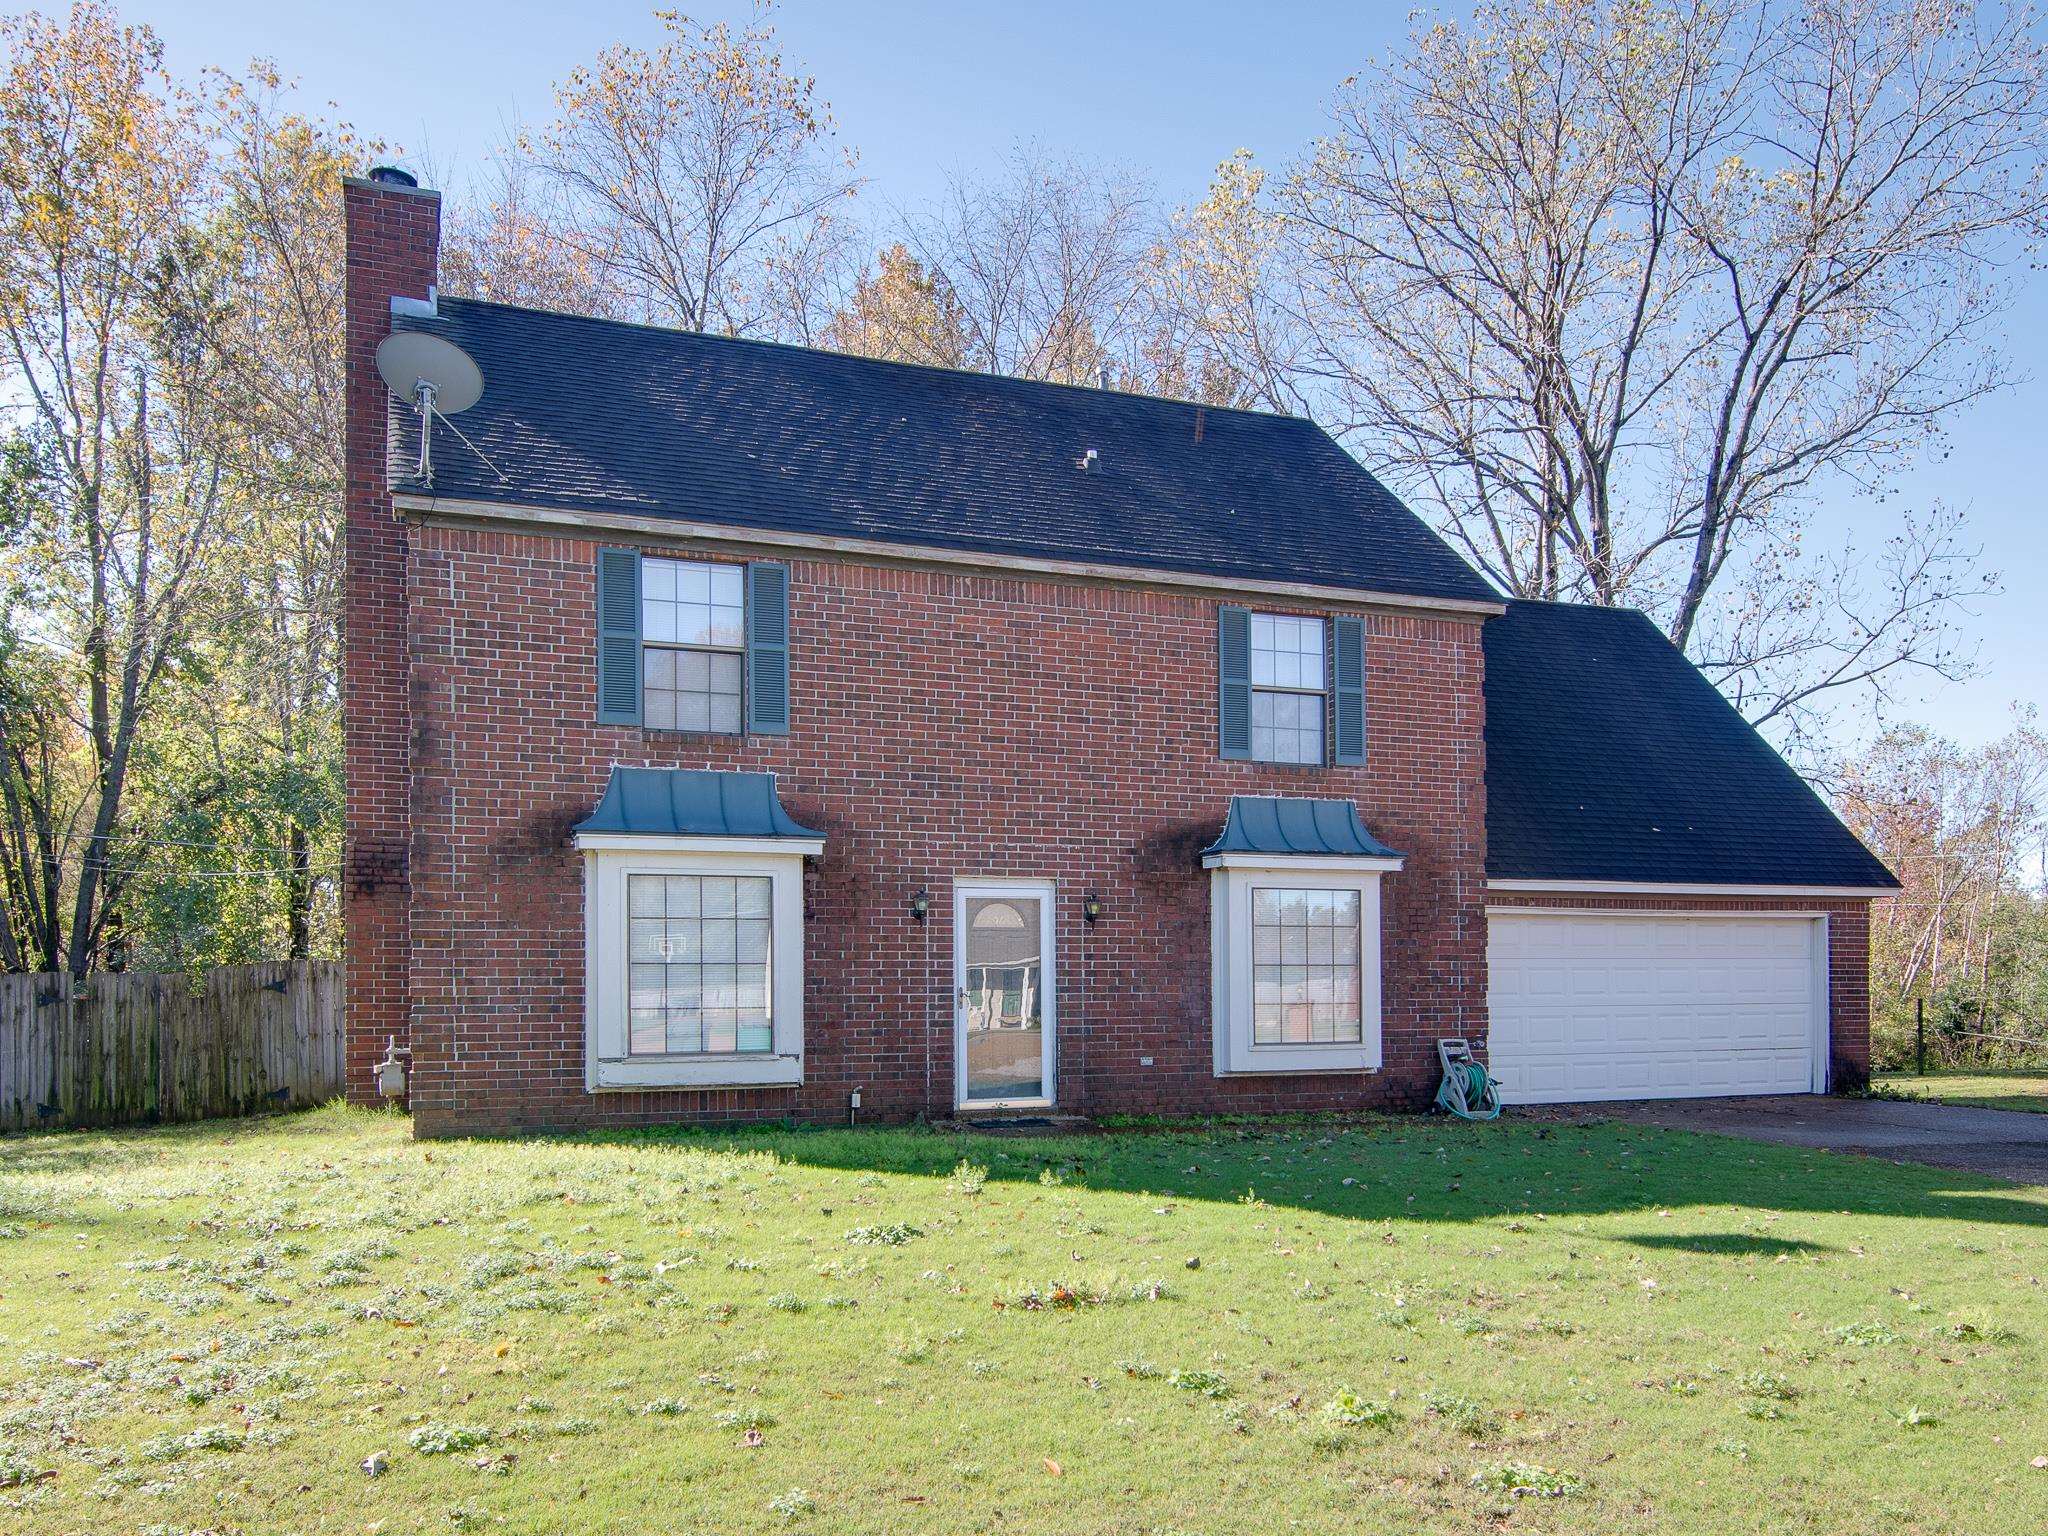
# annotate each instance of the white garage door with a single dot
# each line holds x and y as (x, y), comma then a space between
(1627, 1006)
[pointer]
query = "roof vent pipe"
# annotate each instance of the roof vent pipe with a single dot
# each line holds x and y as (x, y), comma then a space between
(393, 176)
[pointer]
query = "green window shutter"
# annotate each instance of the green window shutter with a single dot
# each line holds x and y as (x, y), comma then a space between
(618, 637)
(768, 648)
(1347, 661)
(1234, 673)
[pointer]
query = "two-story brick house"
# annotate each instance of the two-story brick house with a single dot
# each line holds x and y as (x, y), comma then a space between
(738, 730)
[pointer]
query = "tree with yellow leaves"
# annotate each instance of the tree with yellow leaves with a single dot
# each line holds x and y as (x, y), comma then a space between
(120, 482)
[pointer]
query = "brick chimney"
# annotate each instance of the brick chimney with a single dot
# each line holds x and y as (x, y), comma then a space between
(394, 240)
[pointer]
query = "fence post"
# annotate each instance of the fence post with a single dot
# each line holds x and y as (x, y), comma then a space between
(1920, 1036)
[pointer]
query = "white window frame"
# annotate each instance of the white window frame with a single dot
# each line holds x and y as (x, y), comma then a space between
(1232, 879)
(681, 562)
(1321, 693)
(608, 859)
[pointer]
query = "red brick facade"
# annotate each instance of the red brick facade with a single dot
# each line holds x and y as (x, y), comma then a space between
(393, 238)
(945, 725)
(1848, 957)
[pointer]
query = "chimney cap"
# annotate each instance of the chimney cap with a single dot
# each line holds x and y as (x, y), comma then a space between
(393, 176)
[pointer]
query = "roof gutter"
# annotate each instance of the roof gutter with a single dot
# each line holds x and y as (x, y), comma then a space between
(1664, 888)
(461, 510)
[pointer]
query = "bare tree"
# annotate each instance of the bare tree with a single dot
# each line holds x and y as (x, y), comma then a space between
(806, 277)
(1613, 289)
(505, 242)
(1046, 266)
(685, 172)
(1224, 321)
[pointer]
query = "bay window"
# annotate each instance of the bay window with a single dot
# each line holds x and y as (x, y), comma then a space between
(1294, 936)
(693, 932)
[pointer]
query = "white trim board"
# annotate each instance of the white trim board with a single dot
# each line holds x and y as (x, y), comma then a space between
(642, 842)
(1660, 888)
(1508, 909)
(695, 534)
(1312, 863)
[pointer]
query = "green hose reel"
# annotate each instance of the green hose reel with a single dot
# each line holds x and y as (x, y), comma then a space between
(1469, 1090)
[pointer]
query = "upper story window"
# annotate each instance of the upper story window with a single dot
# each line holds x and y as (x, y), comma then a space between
(692, 645)
(1287, 677)
(1290, 687)
(693, 626)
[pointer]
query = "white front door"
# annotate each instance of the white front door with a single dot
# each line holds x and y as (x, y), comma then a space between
(1003, 991)
(1629, 1005)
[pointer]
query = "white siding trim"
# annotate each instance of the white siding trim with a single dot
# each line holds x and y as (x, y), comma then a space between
(1319, 863)
(1662, 888)
(769, 847)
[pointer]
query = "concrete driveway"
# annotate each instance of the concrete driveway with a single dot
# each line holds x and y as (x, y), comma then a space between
(2002, 1143)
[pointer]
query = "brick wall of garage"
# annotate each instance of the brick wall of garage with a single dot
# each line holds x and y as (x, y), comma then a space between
(945, 725)
(1848, 955)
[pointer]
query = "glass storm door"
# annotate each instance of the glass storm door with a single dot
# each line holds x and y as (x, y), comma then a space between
(1003, 973)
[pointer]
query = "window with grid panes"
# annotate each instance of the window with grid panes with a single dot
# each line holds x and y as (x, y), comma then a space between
(1287, 677)
(693, 635)
(700, 948)
(1305, 967)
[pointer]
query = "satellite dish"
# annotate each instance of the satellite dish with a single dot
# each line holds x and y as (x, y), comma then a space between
(436, 378)
(414, 365)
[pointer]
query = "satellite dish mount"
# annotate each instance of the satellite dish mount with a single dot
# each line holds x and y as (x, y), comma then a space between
(436, 378)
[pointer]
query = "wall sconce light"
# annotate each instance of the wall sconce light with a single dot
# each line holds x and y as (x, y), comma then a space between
(921, 904)
(1091, 907)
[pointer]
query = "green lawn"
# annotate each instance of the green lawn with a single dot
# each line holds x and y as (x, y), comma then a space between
(2022, 1088)
(1314, 1329)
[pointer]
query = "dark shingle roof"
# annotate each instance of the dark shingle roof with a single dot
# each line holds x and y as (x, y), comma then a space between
(1610, 757)
(598, 416)
(1284, 825)
(692, 802)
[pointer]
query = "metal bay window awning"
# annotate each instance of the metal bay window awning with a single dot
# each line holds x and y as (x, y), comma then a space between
(1272, 830)
(694, 807)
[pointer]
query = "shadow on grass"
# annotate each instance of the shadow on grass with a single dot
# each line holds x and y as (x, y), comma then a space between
(1407, 1169)
(1740, 1245)
(1372, 1169)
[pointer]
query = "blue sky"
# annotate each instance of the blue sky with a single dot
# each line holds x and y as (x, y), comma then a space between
(1167, 89)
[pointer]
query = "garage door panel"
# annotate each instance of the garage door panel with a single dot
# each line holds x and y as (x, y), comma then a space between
(1620, 1006)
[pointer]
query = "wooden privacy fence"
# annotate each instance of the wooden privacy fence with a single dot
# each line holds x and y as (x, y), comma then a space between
(124, 1047)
